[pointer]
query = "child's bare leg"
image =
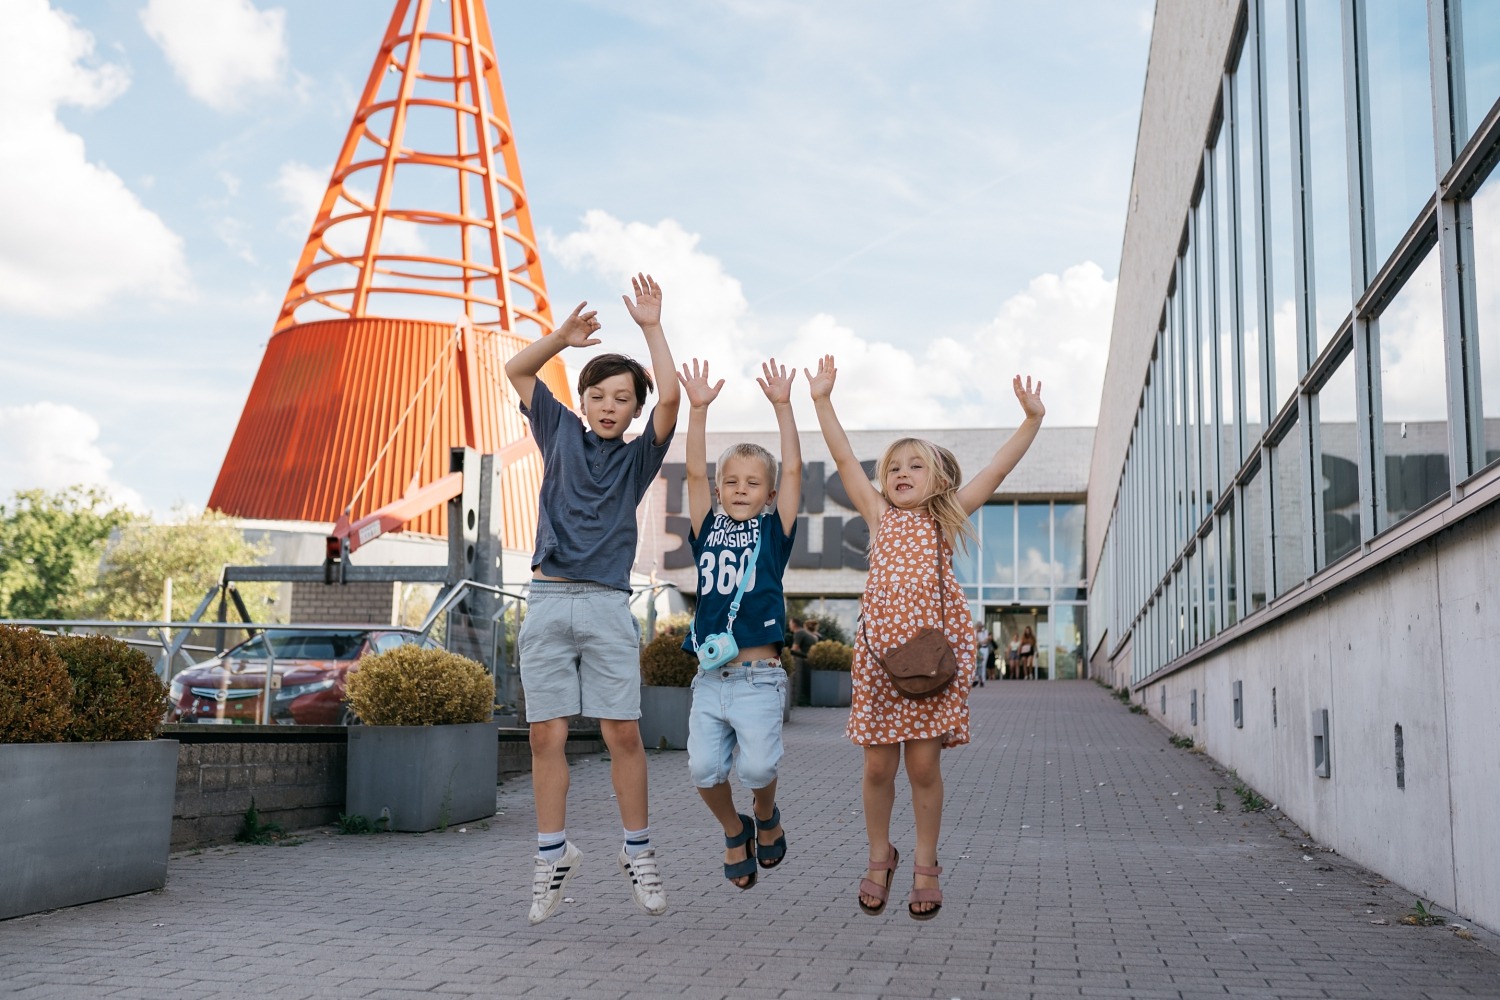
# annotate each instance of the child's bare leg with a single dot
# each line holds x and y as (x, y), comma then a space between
(879, 787)
(720, 802)
(549, 774)
(765, 802)
(627, 769)
(924, 771)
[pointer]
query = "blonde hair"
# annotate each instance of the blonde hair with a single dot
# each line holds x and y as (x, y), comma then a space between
(944, 478)
(746, 450)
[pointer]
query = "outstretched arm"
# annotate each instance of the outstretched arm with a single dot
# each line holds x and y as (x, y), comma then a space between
(700, 394)
(576, 331)
(977, 491)
(777, 385)
(646, 311)
(866, 499)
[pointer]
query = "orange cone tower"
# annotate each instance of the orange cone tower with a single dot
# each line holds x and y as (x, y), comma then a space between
(419, 279)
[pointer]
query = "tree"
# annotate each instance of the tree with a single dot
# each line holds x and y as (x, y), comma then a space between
(192, 551)
(50, 546)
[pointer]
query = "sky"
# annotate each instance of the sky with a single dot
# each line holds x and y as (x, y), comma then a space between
(933, 193)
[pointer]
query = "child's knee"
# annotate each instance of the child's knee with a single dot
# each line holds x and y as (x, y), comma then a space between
(621, 736)
(756, 772)
(704, 772)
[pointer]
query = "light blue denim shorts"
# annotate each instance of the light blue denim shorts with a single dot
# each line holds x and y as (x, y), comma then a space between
(580, 652)
(736, 705)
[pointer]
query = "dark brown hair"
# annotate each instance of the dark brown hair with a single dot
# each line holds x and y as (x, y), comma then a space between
(603, 366)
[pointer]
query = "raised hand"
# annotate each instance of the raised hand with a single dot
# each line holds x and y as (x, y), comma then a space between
(820, 383)
(777, 382)
(695, 384)
(646, 309)
(579, 328)
(1030, 399)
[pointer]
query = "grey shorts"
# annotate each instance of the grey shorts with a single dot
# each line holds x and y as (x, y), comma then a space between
(580, 652)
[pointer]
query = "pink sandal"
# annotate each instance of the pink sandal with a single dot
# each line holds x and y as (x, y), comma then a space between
(869, 887)
(924, 895)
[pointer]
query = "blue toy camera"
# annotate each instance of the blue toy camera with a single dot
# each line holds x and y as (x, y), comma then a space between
(717, 650)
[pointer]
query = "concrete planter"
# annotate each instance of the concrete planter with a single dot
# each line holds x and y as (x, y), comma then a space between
(831, 688)
(664, 716)
(83, 821)
(422, 777)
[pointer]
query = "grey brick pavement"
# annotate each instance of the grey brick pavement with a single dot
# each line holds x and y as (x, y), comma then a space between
(1083, 858)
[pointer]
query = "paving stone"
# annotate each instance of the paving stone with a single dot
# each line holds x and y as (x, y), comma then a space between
(1068, 872)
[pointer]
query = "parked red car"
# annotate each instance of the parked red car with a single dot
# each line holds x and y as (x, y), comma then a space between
(307, 684)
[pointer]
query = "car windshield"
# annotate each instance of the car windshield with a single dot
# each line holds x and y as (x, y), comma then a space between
(305, 646)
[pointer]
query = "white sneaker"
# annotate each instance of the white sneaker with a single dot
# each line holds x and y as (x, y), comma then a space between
(548, 879)
(645, 880)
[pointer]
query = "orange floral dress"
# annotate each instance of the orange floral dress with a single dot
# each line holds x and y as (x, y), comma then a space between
(901, 596)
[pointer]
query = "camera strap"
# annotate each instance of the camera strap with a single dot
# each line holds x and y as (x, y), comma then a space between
(746, 570)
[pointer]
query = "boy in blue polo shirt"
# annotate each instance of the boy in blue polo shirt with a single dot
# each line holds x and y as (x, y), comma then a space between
(580, 643)
(741, 551)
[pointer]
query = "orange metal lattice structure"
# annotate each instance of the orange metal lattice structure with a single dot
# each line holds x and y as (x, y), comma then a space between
(420, 277)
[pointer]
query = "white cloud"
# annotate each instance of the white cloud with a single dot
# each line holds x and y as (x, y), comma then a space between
(1056, 330)
(74, 235)
(302, 188)
(223, 50)
(49, 446)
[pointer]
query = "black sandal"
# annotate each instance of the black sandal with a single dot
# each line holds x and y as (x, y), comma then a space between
(770, 855)
(746, 868)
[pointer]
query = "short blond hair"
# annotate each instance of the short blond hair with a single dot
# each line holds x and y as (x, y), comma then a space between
(746, 450)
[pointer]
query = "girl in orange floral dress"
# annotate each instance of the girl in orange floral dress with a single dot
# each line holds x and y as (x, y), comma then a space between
(916, 517)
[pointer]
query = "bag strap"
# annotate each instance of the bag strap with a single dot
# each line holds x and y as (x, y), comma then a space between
(746, 571)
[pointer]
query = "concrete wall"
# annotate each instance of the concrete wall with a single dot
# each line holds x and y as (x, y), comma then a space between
(1414, 642)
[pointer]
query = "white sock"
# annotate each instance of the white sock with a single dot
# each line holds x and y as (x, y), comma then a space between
(637, 841)
(552, 846)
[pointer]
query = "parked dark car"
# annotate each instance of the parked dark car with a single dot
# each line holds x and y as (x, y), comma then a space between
(307, 685)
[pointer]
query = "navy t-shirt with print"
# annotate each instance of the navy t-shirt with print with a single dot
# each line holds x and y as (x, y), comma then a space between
(721, 547)
(585, 527)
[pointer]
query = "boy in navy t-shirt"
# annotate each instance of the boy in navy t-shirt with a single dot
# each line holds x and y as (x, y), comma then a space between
(580, 643)
(738, 706)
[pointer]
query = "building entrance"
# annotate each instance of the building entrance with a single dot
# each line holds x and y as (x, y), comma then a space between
(1007, 626)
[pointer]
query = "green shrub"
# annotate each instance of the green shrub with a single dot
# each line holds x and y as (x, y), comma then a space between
(664, 663)
(417, 686)
(830, 655)
(36, 694)
(116, 693)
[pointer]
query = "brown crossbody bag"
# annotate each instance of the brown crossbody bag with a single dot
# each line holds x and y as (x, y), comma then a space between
(924, 665)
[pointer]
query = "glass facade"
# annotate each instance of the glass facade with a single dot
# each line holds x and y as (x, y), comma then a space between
(1327, 368)
(1028, 572)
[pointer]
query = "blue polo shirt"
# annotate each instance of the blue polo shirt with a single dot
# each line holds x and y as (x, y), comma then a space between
(721, 548)
(585, 528)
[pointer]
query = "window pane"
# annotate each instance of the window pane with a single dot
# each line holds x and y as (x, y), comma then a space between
(1337, 479)
(1034, 522)
(1288, 503)
(1069, 634)
(966, 559)
(1194, 570)
(1231, 568)
(1279, 193)
(1209, 547)
(1402, 165)
(1328, 199)
(1486, 207)
(1481, 80)
(1067, 539)
(1246, 207)
(1413, 398)
(1203, 271)
(1229, 449)
(998, 538)
(1255, 540)
(1188, 383)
